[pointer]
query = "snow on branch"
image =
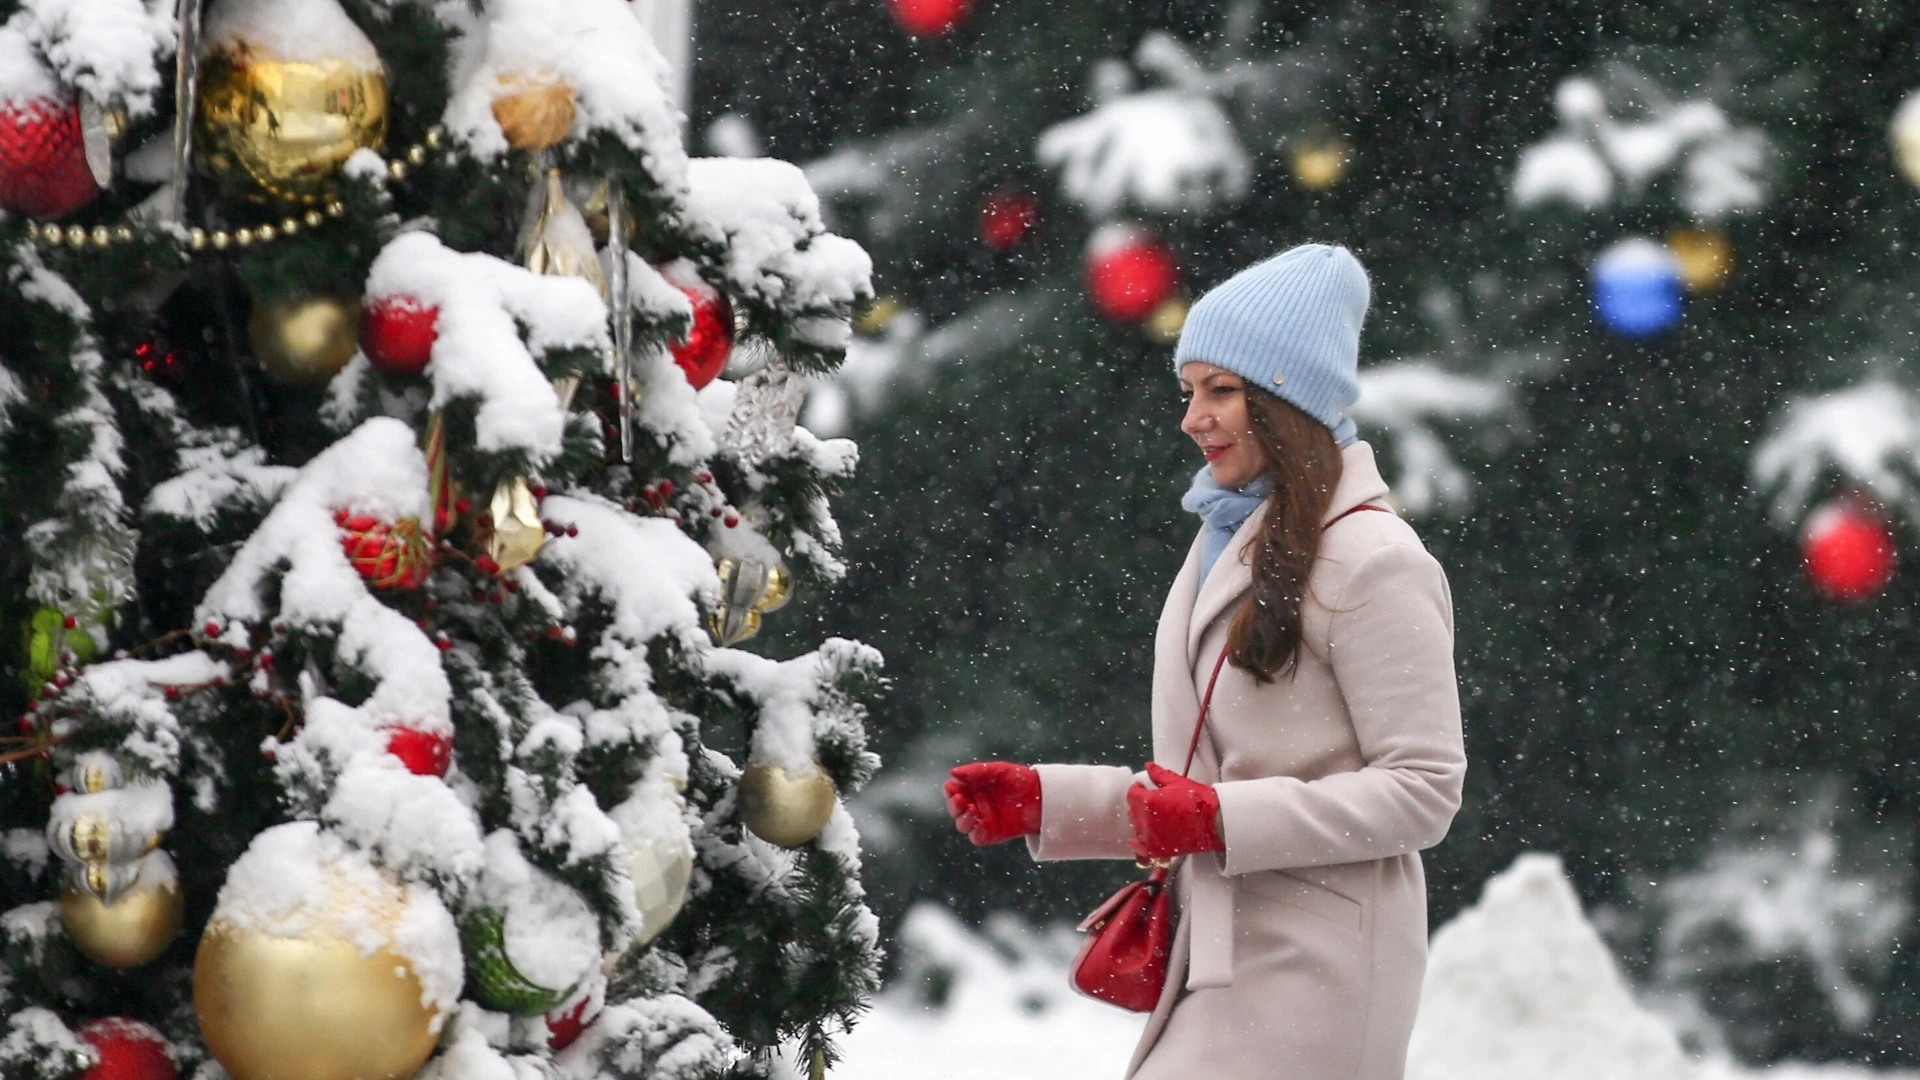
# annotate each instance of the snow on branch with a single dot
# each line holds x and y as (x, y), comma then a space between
(1868, 434)
(1167, 151)
(1595, 159)
(108, 48)
(597, 48)
(485, 305)
(1407, 400)
(763, 219)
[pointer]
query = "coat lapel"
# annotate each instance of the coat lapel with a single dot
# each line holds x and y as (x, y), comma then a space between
(1229, 579)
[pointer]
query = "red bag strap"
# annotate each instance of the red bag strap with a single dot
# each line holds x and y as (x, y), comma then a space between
(1206, 700)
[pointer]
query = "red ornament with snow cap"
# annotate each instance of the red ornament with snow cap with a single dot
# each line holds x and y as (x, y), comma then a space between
(703, 353)
(1129, 272)
(43, 159)
(1848, 549)
(397, 334)
(128, 1049)
(390, 555)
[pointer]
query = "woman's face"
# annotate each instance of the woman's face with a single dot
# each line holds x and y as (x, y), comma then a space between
(1217, 421)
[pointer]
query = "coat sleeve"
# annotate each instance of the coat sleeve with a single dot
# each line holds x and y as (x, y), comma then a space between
(1391, 648)
(1083, 813)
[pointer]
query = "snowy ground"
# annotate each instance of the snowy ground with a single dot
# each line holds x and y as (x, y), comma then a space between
(1520, 986)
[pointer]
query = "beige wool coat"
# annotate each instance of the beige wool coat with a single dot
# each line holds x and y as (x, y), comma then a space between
(1301, 948)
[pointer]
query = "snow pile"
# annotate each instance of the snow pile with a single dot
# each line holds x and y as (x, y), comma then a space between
(1595, 159)
(993, 1004)
(1868, 434)
(1519, 986)
(1406, 400)
(1159, 150)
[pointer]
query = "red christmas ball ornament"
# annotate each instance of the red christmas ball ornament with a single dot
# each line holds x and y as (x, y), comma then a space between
(702, 354)
(128, 1049)
(1129, 273)
(389, 555)
(424, 753)
(1006, 217)
(930, 18)
(566, 1022)
(397, 334)
(1848, 549)
(43, 159)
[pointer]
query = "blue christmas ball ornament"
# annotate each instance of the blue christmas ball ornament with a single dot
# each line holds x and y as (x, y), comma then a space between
(1637, 288)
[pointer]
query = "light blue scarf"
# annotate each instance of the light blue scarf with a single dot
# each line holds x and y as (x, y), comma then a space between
(1223, 509)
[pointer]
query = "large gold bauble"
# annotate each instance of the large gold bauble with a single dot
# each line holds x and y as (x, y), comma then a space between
(287, 125)
(128, 932)
(784, 809)
(315, 1008)
(534, 112)
(305, 342)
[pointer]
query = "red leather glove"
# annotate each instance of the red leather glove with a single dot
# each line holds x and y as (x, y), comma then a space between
(1177, 817)
(992, 801)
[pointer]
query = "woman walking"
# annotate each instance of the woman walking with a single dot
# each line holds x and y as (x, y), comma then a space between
(1331, 752)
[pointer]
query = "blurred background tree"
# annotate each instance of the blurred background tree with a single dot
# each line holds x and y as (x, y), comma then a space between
(1637, 366)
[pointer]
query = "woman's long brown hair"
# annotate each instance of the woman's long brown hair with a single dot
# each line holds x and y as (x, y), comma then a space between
(1303, 464)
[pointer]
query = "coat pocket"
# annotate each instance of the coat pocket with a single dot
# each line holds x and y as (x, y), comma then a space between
(1309, 896)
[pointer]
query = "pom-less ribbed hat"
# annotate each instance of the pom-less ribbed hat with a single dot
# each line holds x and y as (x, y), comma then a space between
(1291, 326)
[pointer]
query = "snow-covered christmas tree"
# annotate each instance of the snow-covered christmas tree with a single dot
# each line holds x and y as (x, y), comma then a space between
(397, 436)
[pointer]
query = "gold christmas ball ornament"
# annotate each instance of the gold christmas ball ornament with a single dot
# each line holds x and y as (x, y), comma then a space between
(285, 127)
(138, 926)
(305, 342)
(534, 111)
(1164, 325)
(1905, 134)
(749, 588)
(785, 809)
(321, 999)
(1320, 162)
(1705, 255)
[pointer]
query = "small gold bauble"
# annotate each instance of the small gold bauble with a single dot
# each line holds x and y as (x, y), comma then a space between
(76, 236)
(1318, 165)
(305, 342)
(878, 316)
(416, 154)
(784, 809)
(197, 238)
(100, 236)
(289, 226)
(1705, 254)
(534, 112)
(1163, 326)
(221, 239)
(128, 932)
(313, 219)
(516, 533)
(314, 1008)
(287, 125)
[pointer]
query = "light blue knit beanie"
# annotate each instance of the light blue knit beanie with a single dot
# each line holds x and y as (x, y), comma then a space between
(1291, 326)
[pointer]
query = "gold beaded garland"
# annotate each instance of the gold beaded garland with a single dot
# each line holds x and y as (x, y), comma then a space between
(122, 233)
(197, 238)
(76, 235)
(417, 154)
(397, 169)
(314, 219)
(221, 239)
(99, 236)
(289, 226)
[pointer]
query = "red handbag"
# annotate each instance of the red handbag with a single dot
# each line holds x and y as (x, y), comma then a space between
(1130, 937)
